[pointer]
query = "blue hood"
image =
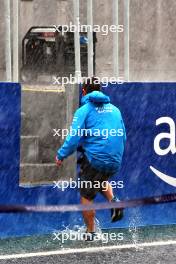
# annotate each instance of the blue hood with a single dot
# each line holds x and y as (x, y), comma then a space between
(95, 97)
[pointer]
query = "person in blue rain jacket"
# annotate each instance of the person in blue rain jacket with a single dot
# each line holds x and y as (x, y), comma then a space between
(98, 130)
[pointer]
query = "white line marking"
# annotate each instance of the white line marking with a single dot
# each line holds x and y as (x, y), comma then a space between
(45, 90)
(24, 137)
(38, 165)
(89, 250)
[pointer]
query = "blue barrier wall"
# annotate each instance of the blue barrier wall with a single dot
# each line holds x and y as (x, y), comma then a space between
(141, 105)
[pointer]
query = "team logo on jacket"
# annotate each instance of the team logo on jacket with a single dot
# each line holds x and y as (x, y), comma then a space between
(104, 109)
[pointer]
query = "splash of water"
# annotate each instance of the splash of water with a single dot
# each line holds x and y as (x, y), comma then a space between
(135, 221)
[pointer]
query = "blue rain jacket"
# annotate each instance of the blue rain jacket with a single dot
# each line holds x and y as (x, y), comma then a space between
(99, 128)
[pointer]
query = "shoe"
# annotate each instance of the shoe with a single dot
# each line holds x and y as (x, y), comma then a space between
(89, 236)
(116, 213)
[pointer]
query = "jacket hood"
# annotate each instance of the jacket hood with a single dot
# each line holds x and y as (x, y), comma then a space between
(95, 97)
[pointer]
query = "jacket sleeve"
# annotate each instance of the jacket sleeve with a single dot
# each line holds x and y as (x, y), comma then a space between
(124, 132)
(72, 140)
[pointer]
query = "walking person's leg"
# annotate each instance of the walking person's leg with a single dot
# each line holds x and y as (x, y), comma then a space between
(89, 216)
(107, 191)
(116, 213)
